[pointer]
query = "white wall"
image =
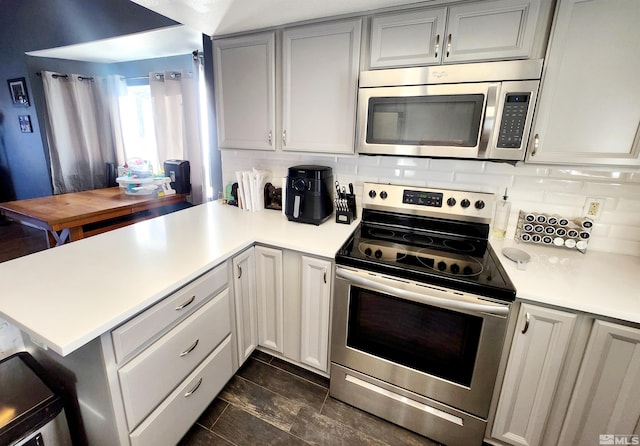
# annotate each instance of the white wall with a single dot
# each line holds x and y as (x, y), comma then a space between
(549, 189)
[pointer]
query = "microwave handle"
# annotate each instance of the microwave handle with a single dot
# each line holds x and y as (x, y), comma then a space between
(490, 111)
(429, 299)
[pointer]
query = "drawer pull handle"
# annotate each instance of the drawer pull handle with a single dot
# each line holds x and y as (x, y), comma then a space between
(527, 316)
(186, 304)
(239, 272)
(192, 391)
(190, 349)
(325, 275)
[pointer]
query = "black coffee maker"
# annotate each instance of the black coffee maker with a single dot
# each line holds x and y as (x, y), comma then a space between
(308, 194)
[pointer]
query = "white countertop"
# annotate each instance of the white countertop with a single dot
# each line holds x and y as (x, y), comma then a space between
(595, 282)
(67, 296)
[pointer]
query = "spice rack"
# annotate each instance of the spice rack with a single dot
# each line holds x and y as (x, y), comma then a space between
(554, 230)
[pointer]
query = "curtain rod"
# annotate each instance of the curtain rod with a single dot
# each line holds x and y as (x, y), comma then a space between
(66, 76)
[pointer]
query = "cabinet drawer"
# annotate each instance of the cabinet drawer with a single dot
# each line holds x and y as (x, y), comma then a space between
(173, 418)
(176, 354)
(143, 328)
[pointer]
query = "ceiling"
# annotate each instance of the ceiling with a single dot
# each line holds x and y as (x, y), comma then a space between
(210, 17)
(218, 17)
(163, 42)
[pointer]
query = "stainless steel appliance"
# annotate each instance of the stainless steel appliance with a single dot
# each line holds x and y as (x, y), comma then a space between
(420, 312)
(481, 110)
(308, 194)
(31, 414)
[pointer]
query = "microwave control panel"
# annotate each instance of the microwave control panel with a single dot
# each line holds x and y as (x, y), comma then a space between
(514, 116)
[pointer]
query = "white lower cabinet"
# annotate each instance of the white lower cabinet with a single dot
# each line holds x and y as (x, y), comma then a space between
(537, 353)
(294, 301)
(270, 294)
(173, 418)
(246, 305)
(176, 354)
(569, 379)
(315, 312)
(606, 397)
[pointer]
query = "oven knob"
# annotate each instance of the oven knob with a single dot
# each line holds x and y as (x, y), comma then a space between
(383, 195)
(455, 269)
(465, 203)
(442, 266)
(467, 271)
(372, 193)
(451, 201)
(367, 252)
(378, 254)
(479, 204)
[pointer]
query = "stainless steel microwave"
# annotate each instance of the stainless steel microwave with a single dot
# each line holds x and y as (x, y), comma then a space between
(479, 110)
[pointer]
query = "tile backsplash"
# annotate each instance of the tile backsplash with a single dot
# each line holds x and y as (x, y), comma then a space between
(532, 188)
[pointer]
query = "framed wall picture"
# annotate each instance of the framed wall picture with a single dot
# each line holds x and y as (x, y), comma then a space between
(18, 90)
(25, 124)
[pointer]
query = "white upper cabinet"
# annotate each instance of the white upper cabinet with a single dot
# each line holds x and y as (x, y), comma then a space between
(320, 65)
(589, 109)
(409, 38)
(478, 31)
(244, 79)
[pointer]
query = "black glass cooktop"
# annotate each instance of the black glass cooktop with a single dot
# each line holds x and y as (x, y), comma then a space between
(442, 253)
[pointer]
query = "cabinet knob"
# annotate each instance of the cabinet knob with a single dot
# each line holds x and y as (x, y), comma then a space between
(527, 317)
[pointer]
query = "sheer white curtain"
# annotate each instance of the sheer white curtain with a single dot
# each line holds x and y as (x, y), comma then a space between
(79, 131)
(176, 114)
(116, 90)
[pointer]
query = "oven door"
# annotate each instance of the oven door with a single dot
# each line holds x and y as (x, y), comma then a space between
(444, 345)
(427, 120)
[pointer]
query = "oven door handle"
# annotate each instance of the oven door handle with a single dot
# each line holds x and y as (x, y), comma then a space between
(475, 306)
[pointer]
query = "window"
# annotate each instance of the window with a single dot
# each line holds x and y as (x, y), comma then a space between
(138, 131)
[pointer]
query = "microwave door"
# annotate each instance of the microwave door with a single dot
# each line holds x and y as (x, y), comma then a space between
(437, 121)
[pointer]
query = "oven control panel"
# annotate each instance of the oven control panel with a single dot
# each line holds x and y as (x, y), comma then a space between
(421, 198)
(443, 203)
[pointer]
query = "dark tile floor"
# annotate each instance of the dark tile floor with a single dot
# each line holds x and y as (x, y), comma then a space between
(18, 240)
(272, 402)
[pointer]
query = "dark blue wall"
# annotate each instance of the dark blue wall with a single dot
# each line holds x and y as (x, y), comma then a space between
(29, 25)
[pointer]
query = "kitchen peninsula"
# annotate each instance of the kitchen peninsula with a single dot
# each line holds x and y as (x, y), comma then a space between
(115, 278)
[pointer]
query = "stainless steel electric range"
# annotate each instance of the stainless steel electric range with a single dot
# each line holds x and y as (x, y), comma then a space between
(420, 311)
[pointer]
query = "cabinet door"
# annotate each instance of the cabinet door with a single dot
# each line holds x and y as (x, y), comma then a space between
(244, 287)
(605, 399)
(407, 38)
(316, 297)
(320, 85)
(270, 298)
(537, 353)
(490, 30)
(588, 110)
(244, 78)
